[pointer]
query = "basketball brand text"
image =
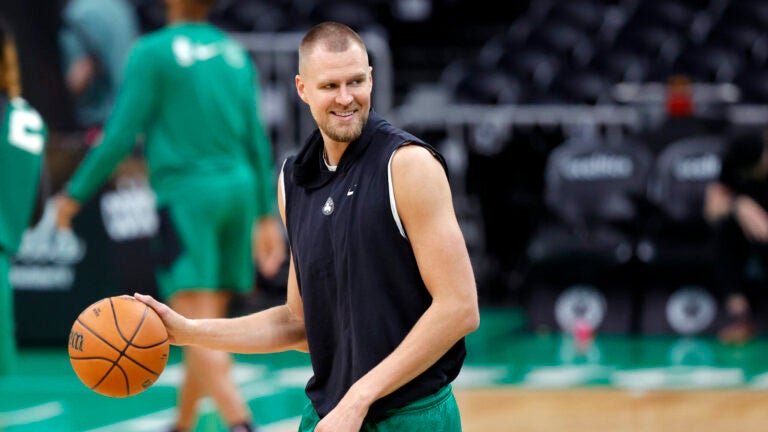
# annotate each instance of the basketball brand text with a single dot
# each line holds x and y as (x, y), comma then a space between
(76, 340)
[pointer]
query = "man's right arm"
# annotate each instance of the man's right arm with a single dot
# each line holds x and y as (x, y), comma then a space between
(280, 328)
(277, 329)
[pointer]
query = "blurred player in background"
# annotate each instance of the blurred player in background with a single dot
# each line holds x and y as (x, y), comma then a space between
(191, 91)
(23, 135)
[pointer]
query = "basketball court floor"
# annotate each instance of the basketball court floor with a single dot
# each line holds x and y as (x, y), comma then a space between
(514, 380)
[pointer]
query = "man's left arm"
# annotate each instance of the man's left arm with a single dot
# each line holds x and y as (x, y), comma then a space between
(425, 206)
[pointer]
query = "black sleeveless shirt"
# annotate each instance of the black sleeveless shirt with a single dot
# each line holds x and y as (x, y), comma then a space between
(358, 278)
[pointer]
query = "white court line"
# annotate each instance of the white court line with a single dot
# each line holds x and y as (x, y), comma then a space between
(31, 414)
(288, 425)
(163, 419)
(159, 419)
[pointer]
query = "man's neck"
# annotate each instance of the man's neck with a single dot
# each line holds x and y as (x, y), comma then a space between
(185, 13)
(333, 151)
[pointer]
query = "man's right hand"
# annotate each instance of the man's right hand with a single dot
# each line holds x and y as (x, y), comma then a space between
(178, 327)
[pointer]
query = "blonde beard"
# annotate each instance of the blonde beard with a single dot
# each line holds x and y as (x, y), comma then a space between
(346, 136)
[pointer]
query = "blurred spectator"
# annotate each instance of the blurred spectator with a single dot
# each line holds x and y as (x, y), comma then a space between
(736, 206)
(95, 38)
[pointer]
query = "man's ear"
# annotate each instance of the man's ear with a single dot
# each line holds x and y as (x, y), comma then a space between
(300, 88)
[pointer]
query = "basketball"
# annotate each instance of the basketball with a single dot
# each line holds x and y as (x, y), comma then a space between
(118, 346)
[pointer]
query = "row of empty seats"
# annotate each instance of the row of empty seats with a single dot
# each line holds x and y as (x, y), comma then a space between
(576, 51)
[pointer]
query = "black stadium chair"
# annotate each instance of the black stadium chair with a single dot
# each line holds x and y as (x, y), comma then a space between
(675, 255)
(660, 45)
(533, 66)
(467, 82)
(622, 65)
(590, 192)
(571, 44)
(749, 42)
(587, 15)
(676, 233)
(250, 16)
(753, 83)
(593, 193)
(713, 64)
(584, 86)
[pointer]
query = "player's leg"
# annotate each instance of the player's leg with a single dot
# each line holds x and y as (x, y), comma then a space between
(187, 231)
(189, 394)
(236, 270)
(210, 370)
(7, 334)
(199, 223)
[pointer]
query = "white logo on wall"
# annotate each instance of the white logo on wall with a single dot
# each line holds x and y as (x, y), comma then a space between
(583, 303)
(690, 310)
(129, 212)
(47, 257)
(597, 167)
(703, 167)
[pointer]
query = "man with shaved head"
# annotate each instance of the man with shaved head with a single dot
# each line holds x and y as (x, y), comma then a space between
(380, 286)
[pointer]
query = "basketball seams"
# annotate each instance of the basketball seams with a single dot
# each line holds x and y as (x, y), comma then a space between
(121, 353)
(117, 323)
(125, 377)
(147, 311)
(151, 345)
(101, 338)
(123, 384)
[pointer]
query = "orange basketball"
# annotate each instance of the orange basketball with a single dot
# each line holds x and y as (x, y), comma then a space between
(118, 346)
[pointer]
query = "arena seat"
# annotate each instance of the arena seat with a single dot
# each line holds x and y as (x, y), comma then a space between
(587, 15)
(753, 83)
(584, 247)
(676, 234)
(623, 65)
(713, 64)
(584, 86)
(591, 192)
(468, 83)
(244, 16)
(674, 251)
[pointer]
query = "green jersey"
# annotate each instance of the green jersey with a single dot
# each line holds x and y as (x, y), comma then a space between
(23, 135)
(191, 92)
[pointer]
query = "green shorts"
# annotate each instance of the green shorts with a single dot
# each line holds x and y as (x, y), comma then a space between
(7, 333)
(205, 234)
(436, 412)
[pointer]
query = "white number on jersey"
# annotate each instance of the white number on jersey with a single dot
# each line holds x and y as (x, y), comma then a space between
(26, 130)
